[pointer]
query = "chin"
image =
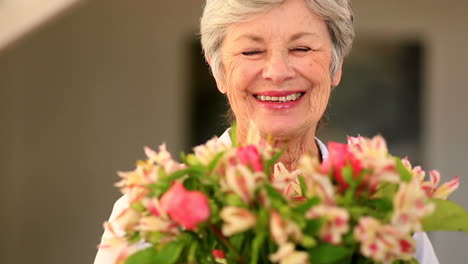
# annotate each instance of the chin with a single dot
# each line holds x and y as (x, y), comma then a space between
(282, 128)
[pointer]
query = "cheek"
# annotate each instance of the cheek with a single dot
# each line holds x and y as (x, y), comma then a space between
(236, 87)
(318, 74)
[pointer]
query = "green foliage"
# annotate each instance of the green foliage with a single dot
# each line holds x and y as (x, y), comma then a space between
(405, 175)
(146, 256)
(448, 216)
(326, 253)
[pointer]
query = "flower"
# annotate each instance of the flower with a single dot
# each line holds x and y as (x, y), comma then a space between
(410, 205)
(218, 253)
(187, 208)
(286, 181)
(442, 192)
(373, 155)
(383, 243)
(336, 222)
(206, 152)
(282, 230)
(430, 187)
(287, 254)
(117, 244)
(236, 220)
(128, 218)
(242, 181)
(339, 156)
(157, 224)
(249, 156)
(317, 183)
(163, 158)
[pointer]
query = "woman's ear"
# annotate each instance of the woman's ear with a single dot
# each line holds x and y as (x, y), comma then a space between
(219, 84)
(336, 78)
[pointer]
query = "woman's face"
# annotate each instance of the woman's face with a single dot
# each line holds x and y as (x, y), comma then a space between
(277, 70)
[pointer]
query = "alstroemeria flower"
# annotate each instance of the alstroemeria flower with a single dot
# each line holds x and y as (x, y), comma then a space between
(187, 208)
(236, 220)
(164, 159)
(157, 224)
(336, 222)
(442, 192)
(134, 183)
(207, 152)
(373, 154)
(287, 254)
(128, 219)
(242, 181)
(283, 230)
(417, 172)
(339, 156)
(250, 156)
(117, 245)
(383, 243)
(317, 183)
(286, 181)
(410, 206)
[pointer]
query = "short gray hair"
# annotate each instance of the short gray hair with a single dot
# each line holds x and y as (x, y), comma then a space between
(219, 14)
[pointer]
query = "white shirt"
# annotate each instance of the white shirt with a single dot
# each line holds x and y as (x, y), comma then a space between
(424, 252)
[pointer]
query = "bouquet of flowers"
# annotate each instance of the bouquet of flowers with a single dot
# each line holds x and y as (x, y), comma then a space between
(231, 203)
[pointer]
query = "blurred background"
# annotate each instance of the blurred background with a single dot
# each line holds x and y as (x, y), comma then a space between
(84, 85)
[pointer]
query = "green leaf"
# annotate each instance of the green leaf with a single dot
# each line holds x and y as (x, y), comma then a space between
(313, 226)
(170, 253)
(274, 159)
(347, 172)
(305, 206)
(256, 246)
(405, 175)
(448, 216)
(303, 185)
(215, 161)
(274, 194)
(326, 253)
(381, 204)
(145, 256)
(234, 134)
(387, 190)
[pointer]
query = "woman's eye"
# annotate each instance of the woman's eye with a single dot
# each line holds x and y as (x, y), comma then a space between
(251, 52)
(301, 49)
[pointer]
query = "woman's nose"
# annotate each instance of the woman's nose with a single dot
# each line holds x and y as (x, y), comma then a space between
(277, 68)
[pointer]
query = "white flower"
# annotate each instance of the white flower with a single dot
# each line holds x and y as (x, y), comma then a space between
(236, 220)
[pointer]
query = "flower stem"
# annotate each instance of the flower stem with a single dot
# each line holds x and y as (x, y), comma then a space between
(228, 244)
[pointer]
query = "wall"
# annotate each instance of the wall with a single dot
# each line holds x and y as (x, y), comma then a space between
(441, 25)
(79, 98)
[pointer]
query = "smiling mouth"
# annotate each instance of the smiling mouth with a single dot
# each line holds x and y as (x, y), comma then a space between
(279, 99)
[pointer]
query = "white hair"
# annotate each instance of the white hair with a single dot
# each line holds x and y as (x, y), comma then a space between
(219, 14)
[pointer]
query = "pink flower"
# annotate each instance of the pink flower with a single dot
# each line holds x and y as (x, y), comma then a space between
(442, 192)
(339, 156)
(336, 222)
(410, 206)
(383, 243)
(373, 155)
(242, 181)
(249, 156)
(219, 254)
(187, 208)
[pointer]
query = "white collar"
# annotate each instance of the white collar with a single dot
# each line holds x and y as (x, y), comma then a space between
(226, 138)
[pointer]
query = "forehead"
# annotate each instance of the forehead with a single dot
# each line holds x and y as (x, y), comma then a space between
(289, 19)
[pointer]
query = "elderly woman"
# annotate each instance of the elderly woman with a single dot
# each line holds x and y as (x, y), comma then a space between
(277, 61)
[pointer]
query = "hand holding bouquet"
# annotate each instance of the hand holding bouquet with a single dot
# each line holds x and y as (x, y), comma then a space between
(229, 203)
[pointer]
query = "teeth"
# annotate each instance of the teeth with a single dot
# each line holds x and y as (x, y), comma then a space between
(282, 99)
